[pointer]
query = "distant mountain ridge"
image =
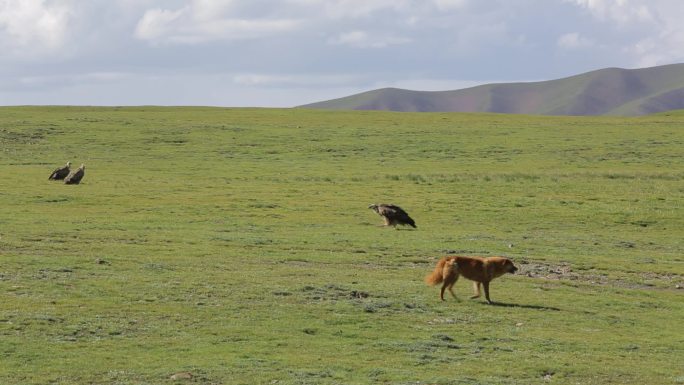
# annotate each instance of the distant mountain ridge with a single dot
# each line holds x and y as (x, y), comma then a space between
(609, 91)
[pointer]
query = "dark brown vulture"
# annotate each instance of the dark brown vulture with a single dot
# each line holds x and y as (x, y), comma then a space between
(61, 172)
(393, 215)
(75, 176)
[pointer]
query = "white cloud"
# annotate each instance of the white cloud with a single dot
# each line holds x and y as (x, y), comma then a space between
(156, 23)
(298, 80)
(658, 22)
(447, 5)
(363, 39)
(145, 51)
(574, 40)
(30, 27)
(341, 9)
(203, 21)
(59, 81)
(621, 11)
(665, 48)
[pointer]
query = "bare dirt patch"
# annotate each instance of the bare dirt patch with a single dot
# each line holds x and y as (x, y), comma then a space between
(565, 271)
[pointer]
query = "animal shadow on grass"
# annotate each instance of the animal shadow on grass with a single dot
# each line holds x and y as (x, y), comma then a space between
(536, 307)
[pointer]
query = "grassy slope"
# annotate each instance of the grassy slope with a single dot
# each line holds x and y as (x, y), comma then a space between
(234, 243)
(610, 91)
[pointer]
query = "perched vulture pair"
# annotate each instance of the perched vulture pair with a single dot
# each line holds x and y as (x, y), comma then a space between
(69, 177)
(393, 215)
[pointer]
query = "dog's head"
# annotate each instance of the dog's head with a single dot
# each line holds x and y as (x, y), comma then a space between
(509, 267)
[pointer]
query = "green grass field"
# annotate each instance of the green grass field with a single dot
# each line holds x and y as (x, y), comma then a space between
(236, 244)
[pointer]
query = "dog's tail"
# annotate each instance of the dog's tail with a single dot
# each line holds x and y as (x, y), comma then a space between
(436, 276)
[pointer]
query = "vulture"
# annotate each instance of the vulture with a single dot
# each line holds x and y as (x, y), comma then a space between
(75, 177)
(393, 215)
(61, 172)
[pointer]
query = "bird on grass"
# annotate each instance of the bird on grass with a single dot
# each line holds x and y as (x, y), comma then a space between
(75, 176)
(61, 172)
(393, 215)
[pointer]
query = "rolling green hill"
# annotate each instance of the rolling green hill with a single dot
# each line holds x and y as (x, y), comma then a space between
(610, 91)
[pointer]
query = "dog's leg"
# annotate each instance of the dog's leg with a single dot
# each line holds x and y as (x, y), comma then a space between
(454, 278)
(486, 290)
(452, 292)
(450, 277)
(476, 290)
(450, 274)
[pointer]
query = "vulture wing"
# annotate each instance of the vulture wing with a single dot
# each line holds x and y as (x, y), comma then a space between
(59, 173)
(75, 177)
(398, 214)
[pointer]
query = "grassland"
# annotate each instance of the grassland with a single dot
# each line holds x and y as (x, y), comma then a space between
(235, 244)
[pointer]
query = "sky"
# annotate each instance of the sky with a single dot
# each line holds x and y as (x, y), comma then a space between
(284, 53)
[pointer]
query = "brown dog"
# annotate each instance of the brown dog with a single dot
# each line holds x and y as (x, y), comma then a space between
(481, 270)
